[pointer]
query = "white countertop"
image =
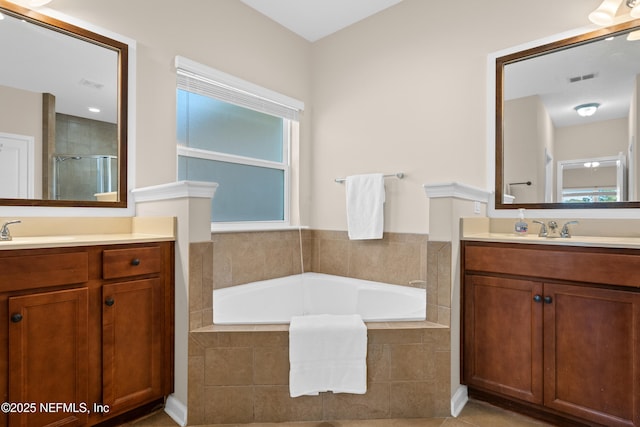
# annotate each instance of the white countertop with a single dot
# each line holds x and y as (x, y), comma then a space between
(588, 233)
(586, 241)
(37, 233)
(37, 242)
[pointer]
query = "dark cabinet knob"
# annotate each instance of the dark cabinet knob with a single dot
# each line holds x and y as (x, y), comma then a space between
(537, 298)
(135, 261)
(109, 301)
(548, 300)
(16, 317)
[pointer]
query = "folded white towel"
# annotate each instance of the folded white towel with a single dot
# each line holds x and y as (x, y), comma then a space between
(327, 353)
(365, 206)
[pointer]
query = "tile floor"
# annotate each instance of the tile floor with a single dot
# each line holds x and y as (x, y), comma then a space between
(475, 414)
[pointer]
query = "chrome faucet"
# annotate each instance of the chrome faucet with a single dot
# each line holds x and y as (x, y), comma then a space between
(4, 230)
(565, 229)
(551, 229)
(543, 228)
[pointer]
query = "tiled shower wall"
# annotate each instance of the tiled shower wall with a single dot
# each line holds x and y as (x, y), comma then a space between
(236, 258)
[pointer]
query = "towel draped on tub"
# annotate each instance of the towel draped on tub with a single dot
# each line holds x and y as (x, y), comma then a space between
(327, 353)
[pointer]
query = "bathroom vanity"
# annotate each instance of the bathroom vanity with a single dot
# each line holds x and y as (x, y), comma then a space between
(87, 328)
(553, 328)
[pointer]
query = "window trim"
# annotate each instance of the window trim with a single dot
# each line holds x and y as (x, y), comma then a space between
(253, 97)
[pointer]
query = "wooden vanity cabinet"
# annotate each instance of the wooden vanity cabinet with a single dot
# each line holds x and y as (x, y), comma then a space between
(89, 327)
(132, 325)
(553, 346)
(48, 356)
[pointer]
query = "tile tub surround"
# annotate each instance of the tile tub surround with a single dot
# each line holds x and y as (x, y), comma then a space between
(239, 374)
(231, 259)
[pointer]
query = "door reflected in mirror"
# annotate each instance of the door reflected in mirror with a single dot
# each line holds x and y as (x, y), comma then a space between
(597, 180)
(542, 131)
(63, 127)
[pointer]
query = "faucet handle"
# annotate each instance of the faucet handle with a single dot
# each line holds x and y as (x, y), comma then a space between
(4, 230)
(543, 228)
(565, 229)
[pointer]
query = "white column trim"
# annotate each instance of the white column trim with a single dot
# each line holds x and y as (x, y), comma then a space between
(456, 190)
(175, 190)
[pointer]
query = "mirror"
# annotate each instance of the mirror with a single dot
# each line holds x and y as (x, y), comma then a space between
(63, 113)
(543, 142)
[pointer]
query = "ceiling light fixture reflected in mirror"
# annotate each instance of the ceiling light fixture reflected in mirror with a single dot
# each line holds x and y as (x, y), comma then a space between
(587, 110)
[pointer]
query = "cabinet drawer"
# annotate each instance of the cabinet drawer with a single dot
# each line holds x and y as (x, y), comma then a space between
(35, 271)
(575, 265)
(118, 263)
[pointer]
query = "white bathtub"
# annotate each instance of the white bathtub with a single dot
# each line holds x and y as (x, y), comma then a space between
(276, 300)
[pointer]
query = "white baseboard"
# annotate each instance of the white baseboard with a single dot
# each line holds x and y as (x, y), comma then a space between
(176, 410)
(459, 399)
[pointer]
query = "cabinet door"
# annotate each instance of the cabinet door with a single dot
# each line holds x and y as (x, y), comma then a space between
(132, 319)
(592, 362)
(503, 336)
(48, 357)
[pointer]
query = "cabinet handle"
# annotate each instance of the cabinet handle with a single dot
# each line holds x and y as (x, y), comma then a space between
(16, 317)
(109, 301)
(537, 298)
(135, 261)
(548, 300)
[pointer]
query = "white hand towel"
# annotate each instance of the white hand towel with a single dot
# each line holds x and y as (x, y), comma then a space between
(327, 353)
(365, 206)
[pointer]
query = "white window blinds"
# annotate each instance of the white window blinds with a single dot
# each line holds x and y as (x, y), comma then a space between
(206, 81)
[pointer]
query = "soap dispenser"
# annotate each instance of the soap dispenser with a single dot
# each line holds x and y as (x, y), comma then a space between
(521, 226)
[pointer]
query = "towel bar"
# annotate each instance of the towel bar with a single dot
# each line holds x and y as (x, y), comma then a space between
(398, 175)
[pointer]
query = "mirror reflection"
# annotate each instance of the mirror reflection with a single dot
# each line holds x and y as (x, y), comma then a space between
(562, 106)
(62, 133)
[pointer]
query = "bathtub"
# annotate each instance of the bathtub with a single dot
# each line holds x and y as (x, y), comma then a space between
(276, 300)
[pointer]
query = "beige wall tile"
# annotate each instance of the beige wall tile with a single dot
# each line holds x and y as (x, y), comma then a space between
(228, 405)
(377, 363)
(195, 395)
(274, 404)
(228, 366)
(411, 399)
(333, 257)
(372, 405)
(271, 365)
(407, 362)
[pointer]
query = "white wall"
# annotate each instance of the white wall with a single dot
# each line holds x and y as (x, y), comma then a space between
(599, 139)
(24, 124)
(525, 121)
(405, 90)
(223, 34)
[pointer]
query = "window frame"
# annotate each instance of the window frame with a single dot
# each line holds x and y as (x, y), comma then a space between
(268, 102)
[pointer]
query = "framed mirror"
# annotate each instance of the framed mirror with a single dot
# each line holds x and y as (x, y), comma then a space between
(561, 104)
(63, 113)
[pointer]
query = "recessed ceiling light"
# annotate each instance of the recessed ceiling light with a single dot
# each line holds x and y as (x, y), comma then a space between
(94, 109)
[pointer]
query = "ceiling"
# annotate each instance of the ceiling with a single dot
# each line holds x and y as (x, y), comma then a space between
(57, 64)
(602, 71)
(315, 19)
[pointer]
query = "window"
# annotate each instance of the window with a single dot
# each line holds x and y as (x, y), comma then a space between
(590, 195)
(238, 135)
